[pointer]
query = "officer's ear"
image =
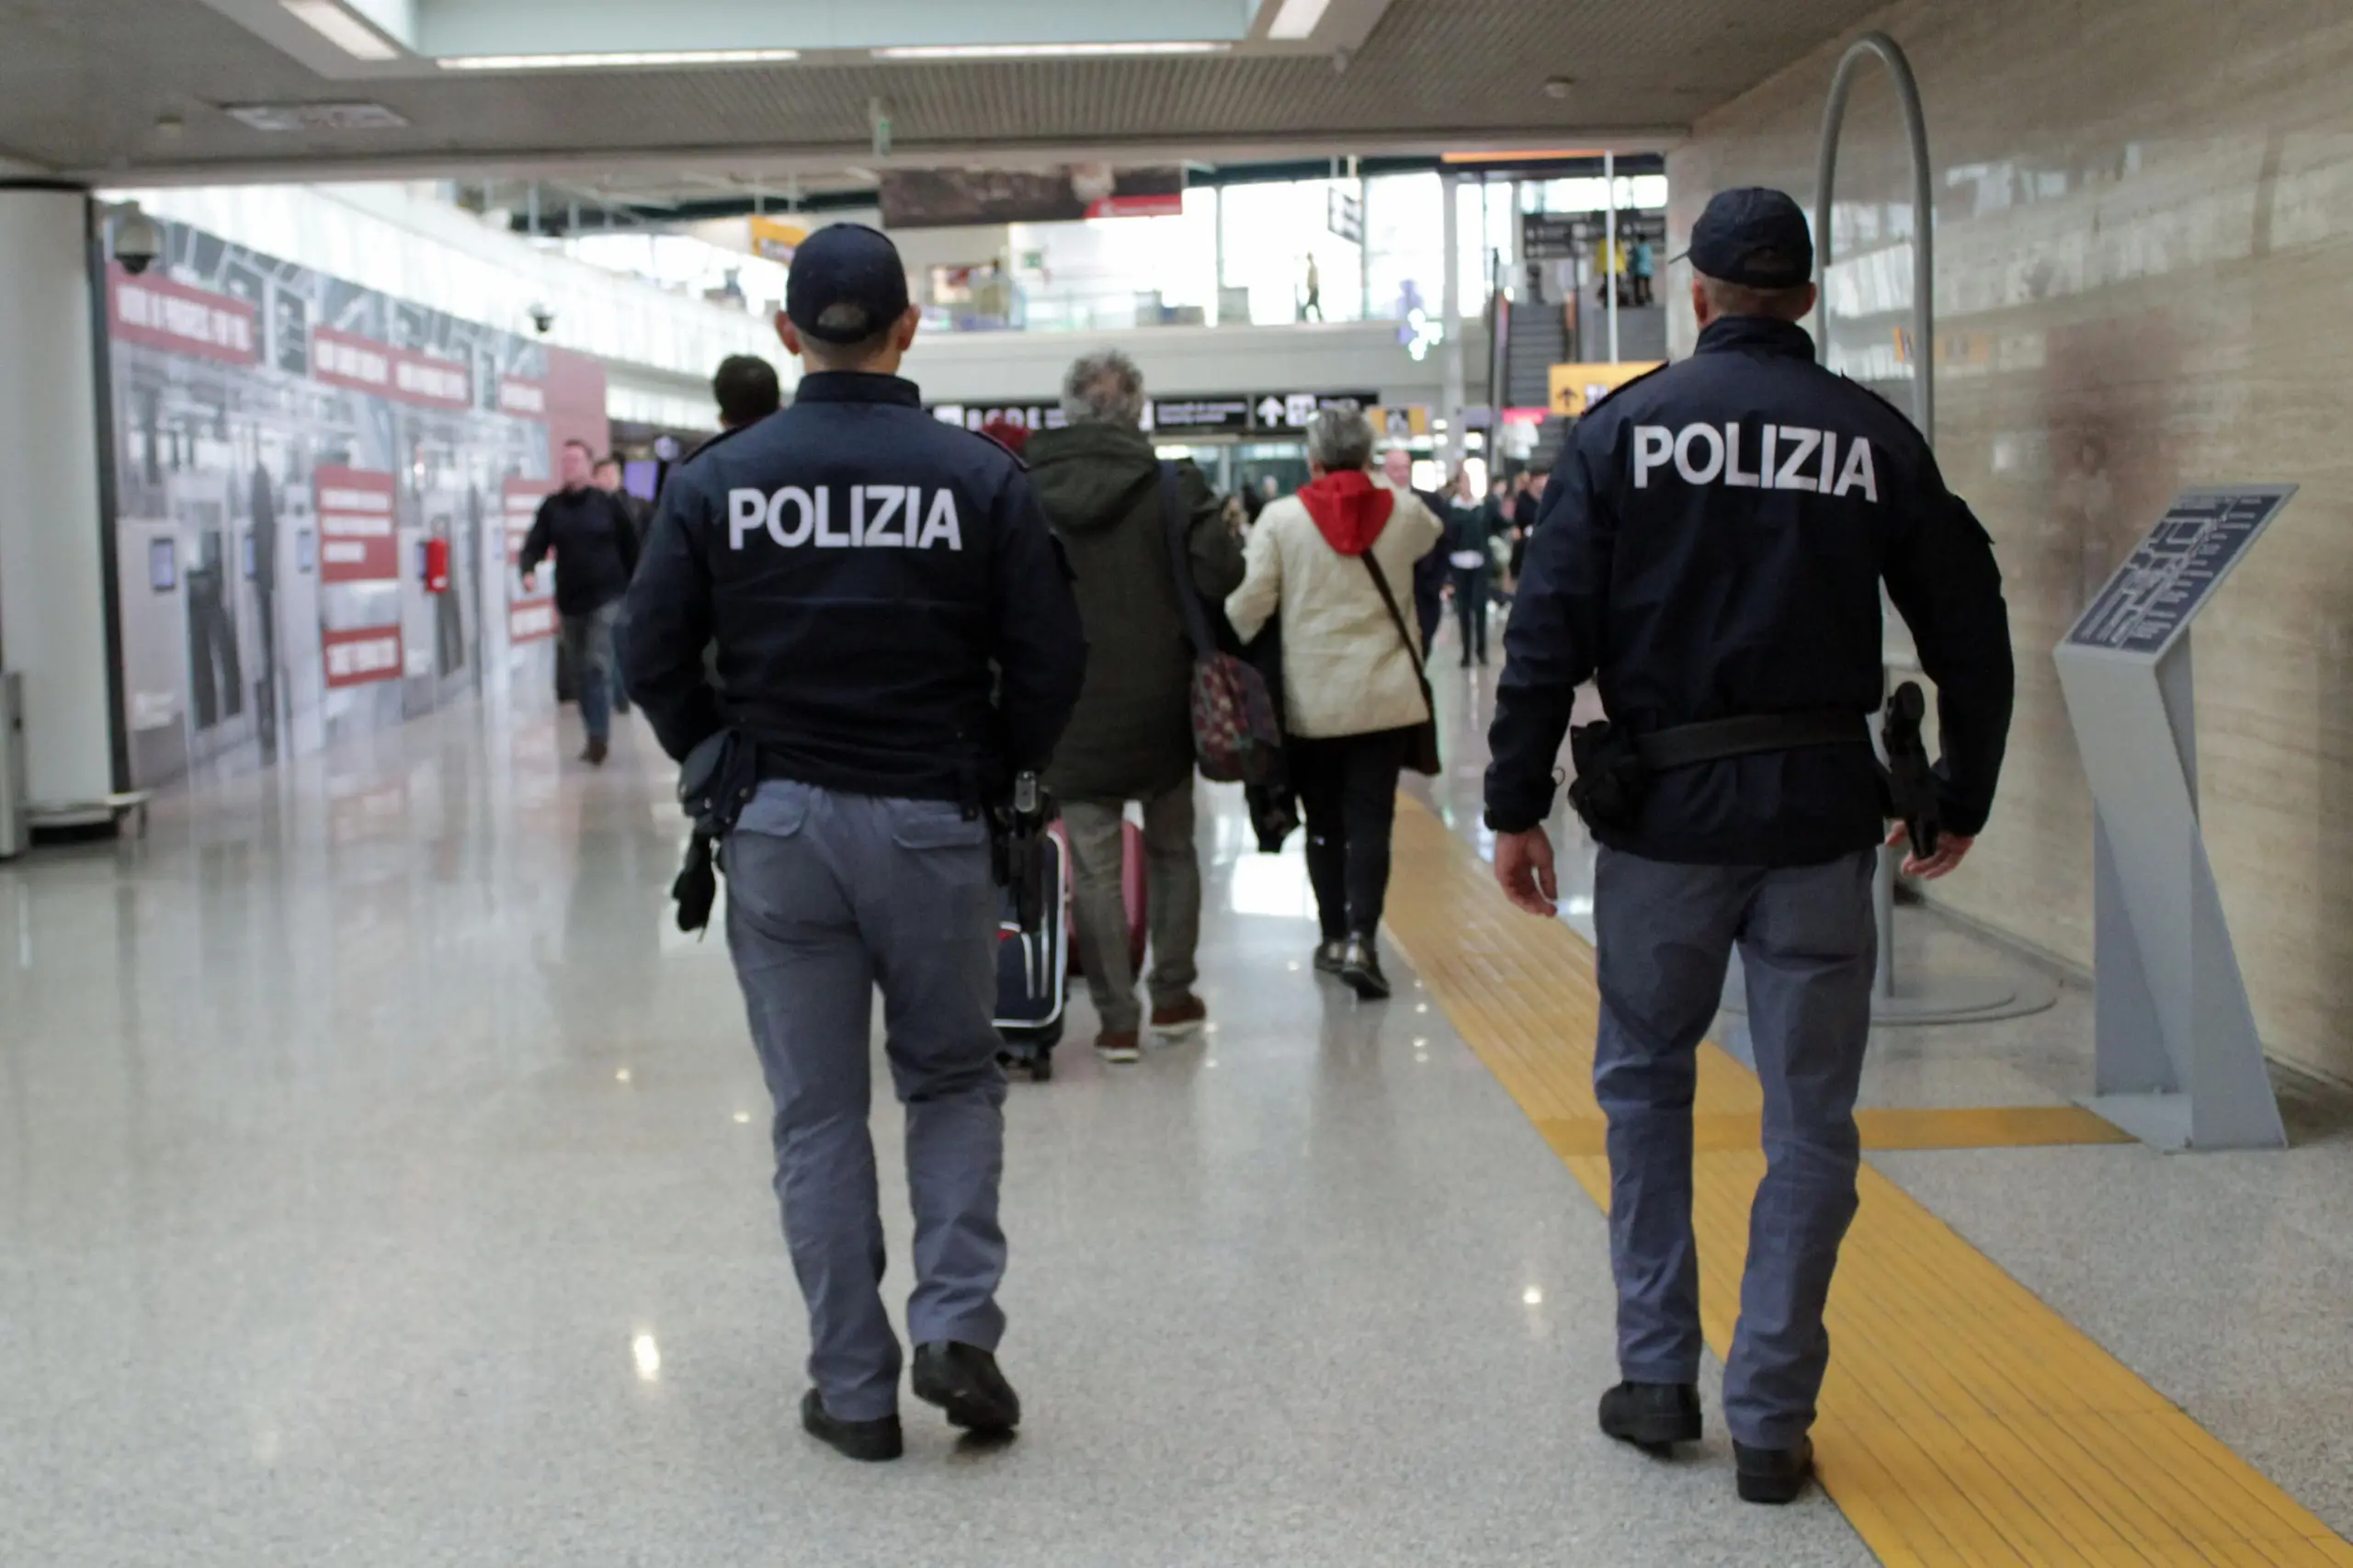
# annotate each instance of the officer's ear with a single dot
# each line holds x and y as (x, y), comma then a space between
(903, 334)
(787, 334)
(1703, 307)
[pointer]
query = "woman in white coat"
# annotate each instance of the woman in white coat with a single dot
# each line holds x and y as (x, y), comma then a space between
(1352, 682)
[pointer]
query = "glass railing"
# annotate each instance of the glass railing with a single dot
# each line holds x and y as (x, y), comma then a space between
(1081, 309)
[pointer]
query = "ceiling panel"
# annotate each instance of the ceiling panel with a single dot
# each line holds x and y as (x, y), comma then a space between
(84, 85)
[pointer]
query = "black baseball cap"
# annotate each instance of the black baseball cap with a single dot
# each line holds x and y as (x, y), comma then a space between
(1752, 236)
(846, 284)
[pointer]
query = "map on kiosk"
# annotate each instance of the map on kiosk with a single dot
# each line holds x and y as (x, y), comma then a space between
(2172, 572)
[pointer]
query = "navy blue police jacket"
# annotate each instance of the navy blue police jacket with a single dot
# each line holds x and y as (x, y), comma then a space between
(891, 613)
(1713, 545)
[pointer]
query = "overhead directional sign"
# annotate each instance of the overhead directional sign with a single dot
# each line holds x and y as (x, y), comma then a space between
(2173, 572)
(1201, 415)
(1210, 414)
(1345, 216)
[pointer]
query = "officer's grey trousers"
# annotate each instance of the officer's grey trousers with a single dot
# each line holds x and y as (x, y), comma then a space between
(1808, 943)
(830, 896)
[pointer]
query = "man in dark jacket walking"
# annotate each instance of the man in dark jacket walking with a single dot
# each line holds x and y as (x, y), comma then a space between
(595, 545)
(1131, 735)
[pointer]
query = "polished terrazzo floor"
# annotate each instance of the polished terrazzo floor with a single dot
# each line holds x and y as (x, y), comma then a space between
(382, 1183)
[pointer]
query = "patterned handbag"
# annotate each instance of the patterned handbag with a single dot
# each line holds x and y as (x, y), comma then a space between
(1236, 739)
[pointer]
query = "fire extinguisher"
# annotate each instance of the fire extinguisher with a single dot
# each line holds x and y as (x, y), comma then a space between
(436, 565)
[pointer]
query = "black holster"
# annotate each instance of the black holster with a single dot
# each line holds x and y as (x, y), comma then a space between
(715, 783)
(1019, 854)
(1911, 778)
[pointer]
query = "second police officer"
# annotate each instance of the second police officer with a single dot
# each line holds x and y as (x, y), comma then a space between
(1711, 549)
(896, 640)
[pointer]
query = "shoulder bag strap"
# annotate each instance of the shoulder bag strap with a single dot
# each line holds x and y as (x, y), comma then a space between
(1174, 518)
(1381, 581)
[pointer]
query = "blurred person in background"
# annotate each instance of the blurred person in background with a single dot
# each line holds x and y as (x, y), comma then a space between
(1429, 571)
(1331, 561)
(1527, 499)
(1472, 522)
(595, 546)
(746, 390)
(610, 479)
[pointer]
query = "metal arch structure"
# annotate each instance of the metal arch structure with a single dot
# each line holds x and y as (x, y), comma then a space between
(1890, 53)
(1932, 998)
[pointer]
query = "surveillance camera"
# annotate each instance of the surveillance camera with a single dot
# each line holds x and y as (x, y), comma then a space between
(543, 318)
(138, 240)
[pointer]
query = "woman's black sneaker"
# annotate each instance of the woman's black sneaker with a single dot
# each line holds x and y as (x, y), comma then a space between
(963, 1381)
(1330, 955)
(1361, 968)
(867, 1441)
(1773, 1475)
(1651, 1416)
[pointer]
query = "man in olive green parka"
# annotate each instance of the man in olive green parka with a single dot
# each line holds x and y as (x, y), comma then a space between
(1131, 737)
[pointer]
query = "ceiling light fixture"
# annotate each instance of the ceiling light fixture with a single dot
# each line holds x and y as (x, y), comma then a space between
(1298, 18)
(1042, 51)
(341, 28)
(607, 61)
(315, 117)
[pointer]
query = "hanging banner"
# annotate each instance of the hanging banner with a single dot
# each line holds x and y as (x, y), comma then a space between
(943, 198)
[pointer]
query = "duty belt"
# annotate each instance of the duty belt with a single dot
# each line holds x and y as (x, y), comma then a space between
(1688, 745)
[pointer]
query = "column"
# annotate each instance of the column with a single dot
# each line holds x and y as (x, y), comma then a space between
(1610, 227)
(1451, 313)
(56, 613)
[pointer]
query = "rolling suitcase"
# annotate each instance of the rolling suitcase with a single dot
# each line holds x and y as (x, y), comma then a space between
(1033, 969)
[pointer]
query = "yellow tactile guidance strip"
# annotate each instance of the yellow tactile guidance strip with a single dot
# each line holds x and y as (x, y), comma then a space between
(1963, 1421)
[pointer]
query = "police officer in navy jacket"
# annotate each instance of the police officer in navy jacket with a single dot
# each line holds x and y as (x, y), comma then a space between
(1713, 548)
(896, 634)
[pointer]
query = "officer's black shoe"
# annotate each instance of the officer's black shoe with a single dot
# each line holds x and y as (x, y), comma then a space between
(1773, 1475)
(963, 1381)
(1330, 957)
(867, 1441)
(1651, 1416)
(1360, 969)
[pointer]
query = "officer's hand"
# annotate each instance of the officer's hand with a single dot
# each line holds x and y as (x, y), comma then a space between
(1950, 850)
(530, 580)
(1524, 867)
